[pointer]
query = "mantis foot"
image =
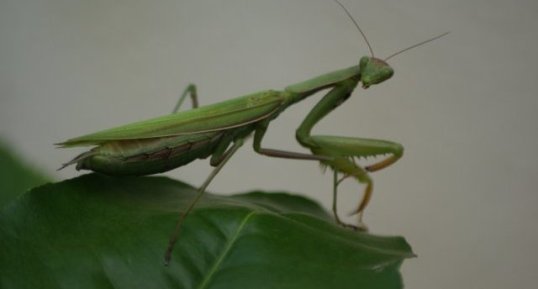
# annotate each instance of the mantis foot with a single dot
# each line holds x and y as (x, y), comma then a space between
(361, 227)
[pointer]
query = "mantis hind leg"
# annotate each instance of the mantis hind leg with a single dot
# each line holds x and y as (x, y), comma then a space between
(343, 151)
(220, 157)
(190, 90)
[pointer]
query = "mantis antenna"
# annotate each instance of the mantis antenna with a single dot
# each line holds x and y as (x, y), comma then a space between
(368, 43)
(356, 25)
(416, 45)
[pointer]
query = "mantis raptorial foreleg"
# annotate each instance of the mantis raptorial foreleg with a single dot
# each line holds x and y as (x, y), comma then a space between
(191, 91)
(345, 149)
(340, 151)
(362, 147)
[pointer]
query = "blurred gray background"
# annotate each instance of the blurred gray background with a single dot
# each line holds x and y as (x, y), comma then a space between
(465, 106)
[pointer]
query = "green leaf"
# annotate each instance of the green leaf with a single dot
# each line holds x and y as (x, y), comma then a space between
(15, 177)
(101, 232)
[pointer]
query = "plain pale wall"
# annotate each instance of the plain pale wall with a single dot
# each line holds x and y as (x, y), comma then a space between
(465, 106)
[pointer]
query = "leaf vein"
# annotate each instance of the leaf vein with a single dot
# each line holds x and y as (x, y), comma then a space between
(224, 253)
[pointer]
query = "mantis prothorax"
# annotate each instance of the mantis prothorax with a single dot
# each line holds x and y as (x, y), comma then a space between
(218, 130)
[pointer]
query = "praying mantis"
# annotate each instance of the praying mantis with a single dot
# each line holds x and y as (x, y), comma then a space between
(219, 130)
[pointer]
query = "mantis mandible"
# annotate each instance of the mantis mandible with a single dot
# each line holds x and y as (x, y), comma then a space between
(218, 130)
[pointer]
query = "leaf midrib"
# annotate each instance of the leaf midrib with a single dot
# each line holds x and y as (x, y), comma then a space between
(224, 253)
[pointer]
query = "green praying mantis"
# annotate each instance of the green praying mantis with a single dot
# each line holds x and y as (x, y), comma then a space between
(219, 130)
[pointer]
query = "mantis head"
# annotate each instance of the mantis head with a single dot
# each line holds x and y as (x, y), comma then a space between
(373, 71)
